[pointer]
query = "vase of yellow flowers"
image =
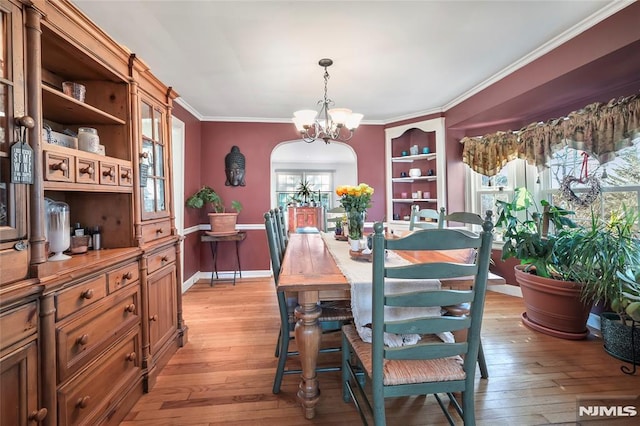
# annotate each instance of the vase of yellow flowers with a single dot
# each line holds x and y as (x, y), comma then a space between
(355, 200)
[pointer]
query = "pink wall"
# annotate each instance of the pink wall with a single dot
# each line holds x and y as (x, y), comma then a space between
(256, 141)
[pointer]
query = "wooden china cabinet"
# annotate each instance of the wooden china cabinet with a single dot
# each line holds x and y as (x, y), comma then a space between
(81, 339)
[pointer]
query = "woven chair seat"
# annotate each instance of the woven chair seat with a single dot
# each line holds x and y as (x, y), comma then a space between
(401, 372)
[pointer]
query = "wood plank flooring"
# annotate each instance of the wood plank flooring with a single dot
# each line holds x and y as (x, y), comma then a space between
(224, 375)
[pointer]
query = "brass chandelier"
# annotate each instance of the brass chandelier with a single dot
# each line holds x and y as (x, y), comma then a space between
(337, 124)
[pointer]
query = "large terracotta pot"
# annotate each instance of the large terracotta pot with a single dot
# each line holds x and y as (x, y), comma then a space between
(223, 223)
(554, 307)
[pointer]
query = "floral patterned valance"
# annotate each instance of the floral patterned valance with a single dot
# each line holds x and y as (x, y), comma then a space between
(599, 129)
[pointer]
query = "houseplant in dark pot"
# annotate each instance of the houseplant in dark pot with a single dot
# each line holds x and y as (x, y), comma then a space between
(553, 301)
(222, 222)
(621, 329)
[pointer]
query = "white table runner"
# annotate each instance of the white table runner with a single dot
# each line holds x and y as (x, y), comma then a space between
(360, 275)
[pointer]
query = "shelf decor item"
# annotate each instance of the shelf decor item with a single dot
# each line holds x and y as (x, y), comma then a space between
(58, 229)
(355, 200)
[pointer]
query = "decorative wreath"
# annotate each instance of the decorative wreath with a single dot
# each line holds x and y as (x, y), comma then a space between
(587, 198)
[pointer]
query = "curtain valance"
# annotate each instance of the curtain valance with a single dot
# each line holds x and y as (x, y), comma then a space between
(599, 129)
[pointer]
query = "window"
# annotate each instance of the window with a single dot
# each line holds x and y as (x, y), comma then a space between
(320, 181)
(620, 184)
(619, 181)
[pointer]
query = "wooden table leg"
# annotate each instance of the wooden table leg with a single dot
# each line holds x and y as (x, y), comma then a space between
(308, 335)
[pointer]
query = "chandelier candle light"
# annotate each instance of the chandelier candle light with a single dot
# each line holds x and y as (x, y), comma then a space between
(355, 200)
(336, 124)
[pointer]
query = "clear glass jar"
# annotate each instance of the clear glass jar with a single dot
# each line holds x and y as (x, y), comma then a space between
(58, 229)
(88, 139)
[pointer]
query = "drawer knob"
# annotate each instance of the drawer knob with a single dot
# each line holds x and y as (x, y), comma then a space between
(62, 166)
(131, 356)
(126, 175)
(87, 294)
(83, 402)
(108, 173)
(164, 259)
(128, 276)
(159, 231)
(82, 340)
(130, 308)
(38, 416)
(87, 170)
(153, 318)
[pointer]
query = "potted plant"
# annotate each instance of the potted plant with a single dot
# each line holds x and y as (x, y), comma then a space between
(222, 222)
(304, 192)
(621, 329)
(553, 301)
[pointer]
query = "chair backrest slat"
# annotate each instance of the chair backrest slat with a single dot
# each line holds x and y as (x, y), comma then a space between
(427, 325)
(425, 299)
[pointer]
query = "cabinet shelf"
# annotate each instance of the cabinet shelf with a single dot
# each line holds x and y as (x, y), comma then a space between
(64, 109)
(412, 179)
(413, 200)
(412, 158)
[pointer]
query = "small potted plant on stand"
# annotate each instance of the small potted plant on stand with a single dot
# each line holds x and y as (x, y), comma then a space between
(222, 222)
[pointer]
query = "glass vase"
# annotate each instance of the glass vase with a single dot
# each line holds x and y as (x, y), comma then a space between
(356, 224)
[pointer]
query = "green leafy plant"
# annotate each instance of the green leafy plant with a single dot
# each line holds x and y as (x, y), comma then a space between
(628, 304)
(206, 196)
(599, 253)
(304, 191)
(525, 231)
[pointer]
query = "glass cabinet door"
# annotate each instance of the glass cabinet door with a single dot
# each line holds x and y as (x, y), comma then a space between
(13, 201)
(154, 191)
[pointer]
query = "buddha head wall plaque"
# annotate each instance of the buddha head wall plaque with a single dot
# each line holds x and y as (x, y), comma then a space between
(234, 163)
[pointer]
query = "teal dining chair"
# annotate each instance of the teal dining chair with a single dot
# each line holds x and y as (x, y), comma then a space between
(332, 217)
(436, 218)
(433, 365)
(332, 317)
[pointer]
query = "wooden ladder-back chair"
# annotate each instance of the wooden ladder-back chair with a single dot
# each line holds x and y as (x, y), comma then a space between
(279, 231)
(332, 217)
(416, 222)
(332, 317)
(431, 366)
(283, 226)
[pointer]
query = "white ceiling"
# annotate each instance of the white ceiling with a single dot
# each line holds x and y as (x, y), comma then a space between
(258, 60)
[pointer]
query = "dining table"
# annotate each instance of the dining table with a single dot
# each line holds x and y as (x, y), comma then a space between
(309, 268)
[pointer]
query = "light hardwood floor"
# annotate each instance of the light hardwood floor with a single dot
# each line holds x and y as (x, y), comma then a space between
(224, 375)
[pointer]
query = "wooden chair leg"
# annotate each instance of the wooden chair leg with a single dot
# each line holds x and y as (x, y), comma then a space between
(484, 372)
(282, 359)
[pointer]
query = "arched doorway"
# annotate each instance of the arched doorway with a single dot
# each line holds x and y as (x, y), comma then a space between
(297, 158)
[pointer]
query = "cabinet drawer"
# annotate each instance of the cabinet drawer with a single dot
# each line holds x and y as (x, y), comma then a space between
(17, 324)
(88, 396)
(86, 170)
(75, 298)
(125, 175)
(156, 230)
(123, 276)
(83, 338)
(160, 259)
(59, 167)
(108, 173)
(15, 265)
